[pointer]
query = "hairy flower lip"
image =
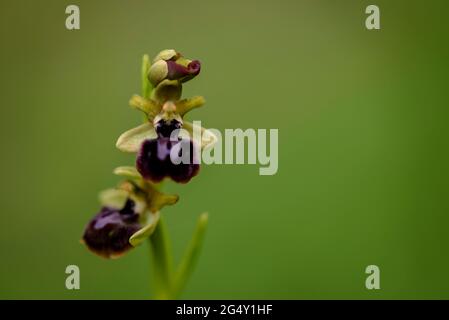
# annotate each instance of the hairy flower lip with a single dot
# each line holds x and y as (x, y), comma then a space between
(154, 161)
(107, 234)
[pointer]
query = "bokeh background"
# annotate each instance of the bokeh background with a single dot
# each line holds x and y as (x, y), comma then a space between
(363, 145)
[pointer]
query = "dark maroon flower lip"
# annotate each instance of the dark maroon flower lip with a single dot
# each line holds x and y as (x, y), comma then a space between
(154, 161)
(108, 233)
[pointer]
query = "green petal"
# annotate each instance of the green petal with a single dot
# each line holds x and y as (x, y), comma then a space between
(185, 105)
(208, 139)
(149, 226)
(131, 140)
(149, 107)
(157, 200)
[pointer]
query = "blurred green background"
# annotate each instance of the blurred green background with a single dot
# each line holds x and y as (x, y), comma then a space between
(363, 145)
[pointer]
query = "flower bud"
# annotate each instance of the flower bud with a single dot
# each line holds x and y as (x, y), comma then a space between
(183, 73)
(170, 65)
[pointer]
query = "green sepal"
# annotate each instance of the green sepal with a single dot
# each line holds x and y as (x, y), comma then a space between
(158, 72)
(208, 138)
(166, 54)
(113, 198)
(149, 225)
(128, 172)
(131, 140)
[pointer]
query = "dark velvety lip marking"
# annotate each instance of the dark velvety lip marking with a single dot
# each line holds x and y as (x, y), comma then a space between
(154, 162)
(108, 233)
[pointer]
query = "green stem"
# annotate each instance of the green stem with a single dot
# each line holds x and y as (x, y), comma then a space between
(166, 284)
(146, 85)
(162, 262)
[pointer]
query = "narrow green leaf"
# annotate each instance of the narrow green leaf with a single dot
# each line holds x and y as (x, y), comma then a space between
(161, 261)
(191, 255)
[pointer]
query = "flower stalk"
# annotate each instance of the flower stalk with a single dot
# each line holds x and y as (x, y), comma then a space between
(162, 260)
